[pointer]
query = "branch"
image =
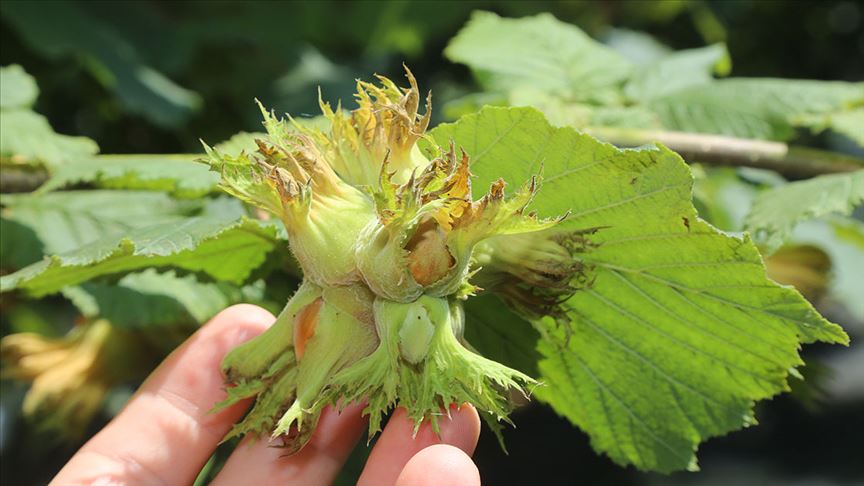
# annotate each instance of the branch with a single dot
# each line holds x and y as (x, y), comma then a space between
(21, 178)
(792, 162)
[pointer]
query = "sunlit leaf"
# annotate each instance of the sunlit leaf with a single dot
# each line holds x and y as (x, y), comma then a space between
(679, 331)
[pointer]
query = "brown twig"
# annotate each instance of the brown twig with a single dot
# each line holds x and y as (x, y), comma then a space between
(20, 178)
(790, 161)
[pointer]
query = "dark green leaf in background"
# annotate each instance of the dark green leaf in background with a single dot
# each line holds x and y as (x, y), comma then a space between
(106, 53)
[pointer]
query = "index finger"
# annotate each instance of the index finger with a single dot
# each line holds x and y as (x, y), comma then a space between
(166, 433)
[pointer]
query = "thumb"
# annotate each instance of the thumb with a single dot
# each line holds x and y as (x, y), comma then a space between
(439, 465)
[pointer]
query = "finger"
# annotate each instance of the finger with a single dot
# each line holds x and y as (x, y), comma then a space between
(165, 434)
(440, 465)
(257, 462)
(396, 447)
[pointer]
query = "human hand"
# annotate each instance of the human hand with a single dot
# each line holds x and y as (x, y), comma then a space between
(165, 433)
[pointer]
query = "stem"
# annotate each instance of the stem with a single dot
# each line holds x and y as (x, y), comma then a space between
(792, 162)
(14, 178)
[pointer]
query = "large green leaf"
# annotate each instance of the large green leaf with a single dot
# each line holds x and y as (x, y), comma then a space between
(64, 221)
(540, 52)
(753, 108)
(178, 175)
(226, 249)
(17, 88)
(680, 331)
(776, 211)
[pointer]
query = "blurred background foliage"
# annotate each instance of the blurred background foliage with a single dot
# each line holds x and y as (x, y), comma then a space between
(155, 77)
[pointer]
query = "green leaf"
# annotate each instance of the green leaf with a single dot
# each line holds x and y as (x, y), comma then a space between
(680, 331)
(179, 175)
(539, 52)
(222, 248)
(677, 71)
(501, 335)
(776, 211)
(150, 298)
(26, 137)
(17, 88)
(64, 221)
(753, 108)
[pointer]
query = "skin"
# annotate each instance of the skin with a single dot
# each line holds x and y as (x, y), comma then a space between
(165, 434)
